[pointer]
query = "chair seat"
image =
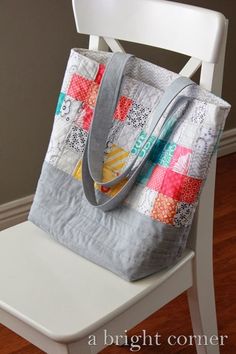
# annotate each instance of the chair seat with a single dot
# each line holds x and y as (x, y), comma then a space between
(58, 292)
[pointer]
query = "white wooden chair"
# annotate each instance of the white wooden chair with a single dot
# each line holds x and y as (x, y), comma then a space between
(56, 299)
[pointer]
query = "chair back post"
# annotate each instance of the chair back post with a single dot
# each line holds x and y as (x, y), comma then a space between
(201, 236)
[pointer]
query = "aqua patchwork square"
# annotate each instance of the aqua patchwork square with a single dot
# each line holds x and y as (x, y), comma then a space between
(157, 150)
(168, 128)
(137, 148)
(145, 173)
(162, 153)
(59, 102)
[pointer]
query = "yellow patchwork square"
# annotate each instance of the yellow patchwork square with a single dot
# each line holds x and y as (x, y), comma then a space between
(115, 159)
(108, 175)
(78, 171)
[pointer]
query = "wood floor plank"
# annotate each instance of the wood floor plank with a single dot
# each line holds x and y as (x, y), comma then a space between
(174, 318)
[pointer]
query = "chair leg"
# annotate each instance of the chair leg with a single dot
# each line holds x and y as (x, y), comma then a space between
(201, 299)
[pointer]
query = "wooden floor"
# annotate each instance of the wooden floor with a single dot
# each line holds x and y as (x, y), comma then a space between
(173, 319)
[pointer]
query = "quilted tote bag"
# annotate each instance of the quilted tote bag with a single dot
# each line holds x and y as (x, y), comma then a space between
(128, 156)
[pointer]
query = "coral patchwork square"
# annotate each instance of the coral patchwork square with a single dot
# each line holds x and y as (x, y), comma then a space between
(157, 177)
(122, 108)
(100, 73)
(172, 185)
(87, 118)
(164, 209)
(92, 94)
(181, 160)
(190, 189)
(79, 87)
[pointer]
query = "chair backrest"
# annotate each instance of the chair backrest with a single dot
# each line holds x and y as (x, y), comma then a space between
(190, 30)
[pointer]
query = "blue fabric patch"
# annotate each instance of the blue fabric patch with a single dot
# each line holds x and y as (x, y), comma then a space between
(162, 153)
(145, 173)
(139, 143)
(59, 103)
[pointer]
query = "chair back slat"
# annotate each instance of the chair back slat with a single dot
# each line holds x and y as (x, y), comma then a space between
(178, 27)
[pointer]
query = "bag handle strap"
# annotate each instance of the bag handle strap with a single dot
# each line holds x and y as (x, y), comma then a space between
(92, 163)
(103, 114)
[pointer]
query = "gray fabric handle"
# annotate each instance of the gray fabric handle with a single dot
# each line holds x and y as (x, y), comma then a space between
(92, 163)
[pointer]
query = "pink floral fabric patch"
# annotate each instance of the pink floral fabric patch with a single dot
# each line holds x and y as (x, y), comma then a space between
(122, 108)
(92, 94)
(190, 189)
(100, 73)
(181, 160)
(79, 87)
(164, 209)
(157, 177)
(172, 184)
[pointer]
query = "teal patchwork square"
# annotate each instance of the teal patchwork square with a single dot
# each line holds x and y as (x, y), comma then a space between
(157, 150)
(59, 103)
(168, 128)
(139, 143)
(162, 153)
(145, 173)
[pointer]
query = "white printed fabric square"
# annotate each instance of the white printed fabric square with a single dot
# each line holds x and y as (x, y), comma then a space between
(207, 140)
(197, 111)
(77, 138)
(146, 201)
(199, 165)
(59, 134)
(130, 87)
(215, 116)
(88, 68)
(127, 137)
(184, 214)
(177, 133)
(138, 115)
(68, 108)
(188, 134)
(141, 199)
(72, 68)
(68, 160)
(148, 96)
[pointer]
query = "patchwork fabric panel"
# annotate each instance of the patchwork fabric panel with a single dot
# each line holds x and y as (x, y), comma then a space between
(126, 137)
(115, 158)
(84, 117)
(142, 199)
(180, 161)
(184, 214)
(79, 87)
(76, 140)
(122, 108)
(109, 174)
(168, 187)
(138, 115)
(140, 147)
(164, 209)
